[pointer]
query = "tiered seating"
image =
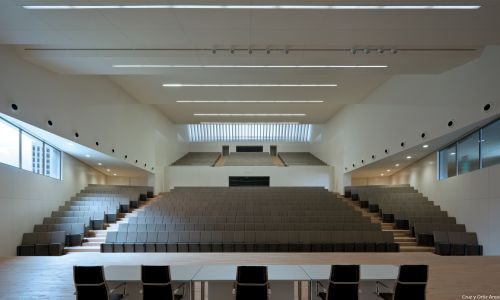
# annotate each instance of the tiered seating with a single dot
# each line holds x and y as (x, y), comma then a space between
(300, 159)
(42, 244)
(90, 209)
(411, 210)
(248, 220)
(457, 243)
(249, 159)
(198, 159)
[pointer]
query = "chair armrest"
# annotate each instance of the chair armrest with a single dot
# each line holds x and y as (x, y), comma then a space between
(113, 290)
(377, 286)
(320, 288)
(180, 288)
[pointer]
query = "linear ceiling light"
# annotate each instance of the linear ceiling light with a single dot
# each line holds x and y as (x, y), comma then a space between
(250, 66)
(248, 85)
(249, 101)
(258, 7)
(249, 115)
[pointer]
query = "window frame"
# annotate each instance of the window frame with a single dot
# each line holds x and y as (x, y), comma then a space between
(20, 132)
(478, 131)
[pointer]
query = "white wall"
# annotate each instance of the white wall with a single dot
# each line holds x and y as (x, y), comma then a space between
(279, 176)
(371, 181)
(122, 180)
(404, 107)
(473, 198)
(26, 198)
(95, 107)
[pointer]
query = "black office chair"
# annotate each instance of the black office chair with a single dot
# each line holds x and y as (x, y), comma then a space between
(90, 284)
(410, 285)
(251, 283)
(156, 284)
(343, 283)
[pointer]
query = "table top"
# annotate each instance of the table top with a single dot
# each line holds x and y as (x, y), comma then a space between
(228, 272)
(133, 273)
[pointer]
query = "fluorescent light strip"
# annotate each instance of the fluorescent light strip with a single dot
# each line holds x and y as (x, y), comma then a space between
(250, 66)
(247, 85)
(249, 101)
(249, 115)
(258, 7)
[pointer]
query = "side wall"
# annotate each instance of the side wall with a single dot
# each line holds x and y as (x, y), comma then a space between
(27, 197)
(473, 198)
(406, 106)
(93, 106)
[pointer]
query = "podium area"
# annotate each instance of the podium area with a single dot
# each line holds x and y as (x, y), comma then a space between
(213, 273)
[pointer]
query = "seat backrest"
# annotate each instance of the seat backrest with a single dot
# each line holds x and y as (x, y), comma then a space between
(411, 283)
(156, 282)
(251, 283)
(441, 237)
(344, 281)
(29, 238)
(90, 283)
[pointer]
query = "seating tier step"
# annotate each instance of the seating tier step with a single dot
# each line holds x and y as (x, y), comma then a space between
(82, 249)
(415, 249)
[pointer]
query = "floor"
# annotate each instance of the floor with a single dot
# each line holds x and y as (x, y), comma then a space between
(51, 277)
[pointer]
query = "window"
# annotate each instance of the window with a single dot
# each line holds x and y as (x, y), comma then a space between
(289, 132)
(53, 162)
(490, 145)
(22, 150)
(468, 153)
(30, 151)
(448, 162)
(479, 149)
(9, 144)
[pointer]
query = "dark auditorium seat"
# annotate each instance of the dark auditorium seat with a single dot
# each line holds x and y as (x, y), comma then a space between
(156, 284)
(410, 285)
(251, 283)
(343, 283)
(91, 285)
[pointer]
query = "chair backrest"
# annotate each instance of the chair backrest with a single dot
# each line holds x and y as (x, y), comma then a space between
(90, 282)
(251, 283)
(344, 281)
(156, 282)
(411, 283)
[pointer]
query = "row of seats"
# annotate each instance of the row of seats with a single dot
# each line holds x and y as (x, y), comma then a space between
(336, 218)
(64, 220)
(198, 159)
(300, 159)
(456, 243)
(74, 231)
(364, 226)
(424, 231)
(162, 211)
(250, 241)
(42, 244)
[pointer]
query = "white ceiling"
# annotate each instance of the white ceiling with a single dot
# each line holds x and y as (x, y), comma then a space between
(205, 29)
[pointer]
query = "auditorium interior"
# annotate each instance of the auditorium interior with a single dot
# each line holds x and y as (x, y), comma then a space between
(250, 150)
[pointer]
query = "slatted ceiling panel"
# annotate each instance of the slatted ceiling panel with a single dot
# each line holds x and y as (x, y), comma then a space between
(249, 132)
